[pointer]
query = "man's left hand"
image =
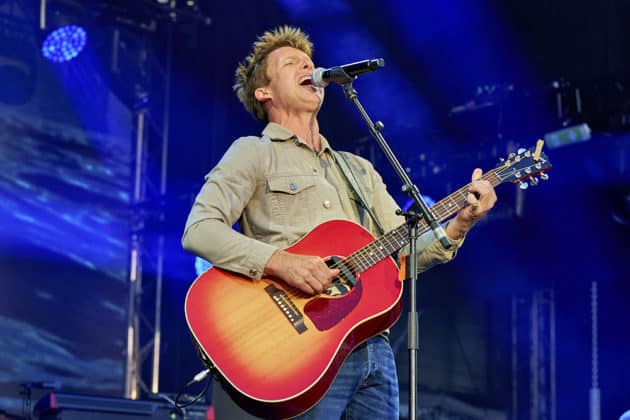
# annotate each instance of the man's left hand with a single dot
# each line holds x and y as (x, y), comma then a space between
(481, 199)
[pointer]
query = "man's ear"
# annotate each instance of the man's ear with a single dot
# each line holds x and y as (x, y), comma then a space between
(262, 94)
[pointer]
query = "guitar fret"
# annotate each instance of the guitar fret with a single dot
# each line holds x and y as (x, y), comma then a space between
(368, 259)
(364, 263)
(356, 261)
(389, 239)
(378, 250)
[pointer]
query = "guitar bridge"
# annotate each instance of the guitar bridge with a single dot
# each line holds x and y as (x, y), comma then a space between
(288, 308)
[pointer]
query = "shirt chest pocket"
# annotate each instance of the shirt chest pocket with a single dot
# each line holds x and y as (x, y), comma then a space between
(291, 198)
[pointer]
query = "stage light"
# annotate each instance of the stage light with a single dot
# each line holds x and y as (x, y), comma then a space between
(64, 44)
(62, 30)
(568, 135)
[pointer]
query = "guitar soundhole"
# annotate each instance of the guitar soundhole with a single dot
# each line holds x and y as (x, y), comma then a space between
(346, 279)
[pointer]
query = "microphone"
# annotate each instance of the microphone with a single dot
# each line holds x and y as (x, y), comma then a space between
(346, 73)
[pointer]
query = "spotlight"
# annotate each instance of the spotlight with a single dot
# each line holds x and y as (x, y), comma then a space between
(63, 34)
(64, 44)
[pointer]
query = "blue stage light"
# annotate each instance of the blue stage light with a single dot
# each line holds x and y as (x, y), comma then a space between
(64, 44)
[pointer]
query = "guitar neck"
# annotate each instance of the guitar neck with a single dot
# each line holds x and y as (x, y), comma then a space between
(394, 240)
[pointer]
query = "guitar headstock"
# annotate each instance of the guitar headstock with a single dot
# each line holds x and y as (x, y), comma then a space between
(525, 167)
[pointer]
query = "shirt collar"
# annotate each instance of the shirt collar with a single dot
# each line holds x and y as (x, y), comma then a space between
(276, 132)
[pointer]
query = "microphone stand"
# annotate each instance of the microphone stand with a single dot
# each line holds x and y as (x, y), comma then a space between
(412, 219)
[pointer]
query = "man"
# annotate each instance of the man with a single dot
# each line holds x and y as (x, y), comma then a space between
(286, 182)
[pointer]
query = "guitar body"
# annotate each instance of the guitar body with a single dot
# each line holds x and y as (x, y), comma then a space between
(277, 349)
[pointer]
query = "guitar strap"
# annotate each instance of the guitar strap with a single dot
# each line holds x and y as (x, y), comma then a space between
(347, 171)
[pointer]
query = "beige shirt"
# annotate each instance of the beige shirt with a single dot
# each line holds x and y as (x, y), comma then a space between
(279, 189)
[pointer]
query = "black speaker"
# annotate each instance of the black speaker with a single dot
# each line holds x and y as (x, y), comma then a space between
(58, 405)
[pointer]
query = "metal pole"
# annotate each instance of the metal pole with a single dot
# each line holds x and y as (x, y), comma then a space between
(552, 351)
(533, 361)
(42, 15)
(413, 321)
(514, 358)
(594, 393)
(135, 271)
(157, 332)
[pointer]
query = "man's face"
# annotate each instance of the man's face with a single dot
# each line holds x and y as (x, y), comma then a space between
(290, 90)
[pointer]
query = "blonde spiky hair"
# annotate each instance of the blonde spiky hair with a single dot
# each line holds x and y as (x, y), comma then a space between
(252, 72)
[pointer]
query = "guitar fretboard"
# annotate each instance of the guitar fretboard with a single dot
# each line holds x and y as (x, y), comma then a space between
(394, 240)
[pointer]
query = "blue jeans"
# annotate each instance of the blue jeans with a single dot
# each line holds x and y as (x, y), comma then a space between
(366, 386)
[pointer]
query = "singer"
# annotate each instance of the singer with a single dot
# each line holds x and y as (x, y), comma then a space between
(284, 183)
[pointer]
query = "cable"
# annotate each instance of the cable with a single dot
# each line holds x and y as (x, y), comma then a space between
(197, 378)
(180, 411)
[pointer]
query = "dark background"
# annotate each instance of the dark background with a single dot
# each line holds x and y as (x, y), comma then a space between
(465, 83)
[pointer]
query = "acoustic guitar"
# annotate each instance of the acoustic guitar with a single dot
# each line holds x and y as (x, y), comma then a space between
(278, 349)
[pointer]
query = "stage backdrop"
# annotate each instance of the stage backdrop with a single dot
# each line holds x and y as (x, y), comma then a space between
(64, 194)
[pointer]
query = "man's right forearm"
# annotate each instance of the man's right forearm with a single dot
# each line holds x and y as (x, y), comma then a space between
(225, 248)
(308, 273)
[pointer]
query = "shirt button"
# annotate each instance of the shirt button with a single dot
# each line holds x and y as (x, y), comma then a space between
(326, 204)
(314, 170)
(253, 272)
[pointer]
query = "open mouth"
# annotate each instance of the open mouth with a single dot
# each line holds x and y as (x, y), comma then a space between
(307, 82)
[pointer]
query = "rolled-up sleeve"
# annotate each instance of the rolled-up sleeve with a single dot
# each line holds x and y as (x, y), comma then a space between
(431, 251)
(220, 203)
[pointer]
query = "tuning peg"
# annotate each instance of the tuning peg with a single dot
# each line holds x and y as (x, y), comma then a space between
(523, 185)
(534, 181)
(544, 176)
(521, 151)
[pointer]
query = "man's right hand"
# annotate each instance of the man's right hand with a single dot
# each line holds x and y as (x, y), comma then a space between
(305, 272)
